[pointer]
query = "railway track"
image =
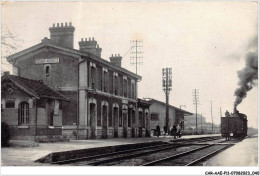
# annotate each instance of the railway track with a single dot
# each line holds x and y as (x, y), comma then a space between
(109, 155)
(116, 158)
(198, 140)
(190, 157)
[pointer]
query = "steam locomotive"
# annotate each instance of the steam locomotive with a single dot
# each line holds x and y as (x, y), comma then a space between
(234, 125)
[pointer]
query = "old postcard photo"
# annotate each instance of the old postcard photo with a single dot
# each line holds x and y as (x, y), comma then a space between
(129, 83)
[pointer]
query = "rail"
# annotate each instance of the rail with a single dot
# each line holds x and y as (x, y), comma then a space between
(175, 156)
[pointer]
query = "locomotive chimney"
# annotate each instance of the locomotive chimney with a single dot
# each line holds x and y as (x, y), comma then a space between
(235, 110)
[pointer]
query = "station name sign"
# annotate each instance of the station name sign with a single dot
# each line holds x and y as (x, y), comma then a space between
(124, 101)
(47, 61)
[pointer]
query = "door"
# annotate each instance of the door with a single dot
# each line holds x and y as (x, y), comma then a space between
(92, 120)
(115, 117)
(140, 123)
(133, 123)
(104, 121)
(125, 124)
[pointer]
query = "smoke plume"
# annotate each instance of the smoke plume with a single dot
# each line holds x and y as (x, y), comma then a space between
(248, 76)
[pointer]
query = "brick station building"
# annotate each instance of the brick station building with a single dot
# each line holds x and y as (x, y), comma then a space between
(102, 95)
(30, 108)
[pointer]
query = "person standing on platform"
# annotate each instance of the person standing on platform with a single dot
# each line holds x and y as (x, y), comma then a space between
(165, 130)
(170, 130)
(158, 130)
(178, 130)
(174, 130)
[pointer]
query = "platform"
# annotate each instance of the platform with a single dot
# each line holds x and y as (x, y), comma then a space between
(244, 153)
(25, 156)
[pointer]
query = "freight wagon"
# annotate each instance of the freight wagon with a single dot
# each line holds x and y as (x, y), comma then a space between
(234, 125)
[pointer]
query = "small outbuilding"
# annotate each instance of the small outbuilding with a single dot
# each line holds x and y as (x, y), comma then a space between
(158, 115)
(30, 108)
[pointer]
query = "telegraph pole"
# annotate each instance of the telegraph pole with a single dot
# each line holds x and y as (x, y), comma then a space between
(136, 54)
(136, 58)
(220, 112)
(211, 114)
(167, 86)
(195, 102)
(201, 124)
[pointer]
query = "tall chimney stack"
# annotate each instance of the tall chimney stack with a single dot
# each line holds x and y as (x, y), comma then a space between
(62, 35)
(116, 59)
(90, 46)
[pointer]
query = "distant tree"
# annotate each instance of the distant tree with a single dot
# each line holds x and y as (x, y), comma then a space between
(10, 42)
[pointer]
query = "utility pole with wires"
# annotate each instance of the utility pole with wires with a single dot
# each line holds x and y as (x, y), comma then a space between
(195, 102)
(211, 114)
(201, 123)
(167, 87)
(136, 53)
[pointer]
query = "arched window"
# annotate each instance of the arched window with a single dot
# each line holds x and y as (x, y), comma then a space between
(23, 113)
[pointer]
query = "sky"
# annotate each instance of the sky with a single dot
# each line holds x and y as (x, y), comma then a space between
(205, 44)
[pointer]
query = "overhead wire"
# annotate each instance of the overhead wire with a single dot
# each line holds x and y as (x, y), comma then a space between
(128, 51)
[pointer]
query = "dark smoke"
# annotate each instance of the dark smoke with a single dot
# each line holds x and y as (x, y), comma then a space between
(248, 77)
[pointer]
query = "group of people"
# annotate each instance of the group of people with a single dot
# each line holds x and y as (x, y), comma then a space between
(175, 130)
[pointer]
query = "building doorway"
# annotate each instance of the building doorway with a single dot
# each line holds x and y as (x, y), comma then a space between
(104, 121)
(147, 128)
(140, 123)
(115, 117)
(92, 120)
(129, 123)
(133, 123)
(124, 124)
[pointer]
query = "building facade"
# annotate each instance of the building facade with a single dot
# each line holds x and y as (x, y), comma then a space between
(144, 118)
(30, 108)
(158, 115)
(102, 95)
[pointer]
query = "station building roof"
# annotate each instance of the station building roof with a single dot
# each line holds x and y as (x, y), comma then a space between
(151, 100)
(74, 53)
(35, 88)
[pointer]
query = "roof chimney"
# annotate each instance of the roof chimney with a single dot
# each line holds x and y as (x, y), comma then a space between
(90, 46)
(116, 59)
(62, 35)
